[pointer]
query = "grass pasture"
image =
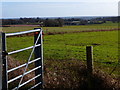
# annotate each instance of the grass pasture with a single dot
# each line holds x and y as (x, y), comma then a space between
(72, 46)
(65, 29)
(69, 49)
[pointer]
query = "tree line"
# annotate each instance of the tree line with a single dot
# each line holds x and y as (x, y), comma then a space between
(34, 21)
(58, 22)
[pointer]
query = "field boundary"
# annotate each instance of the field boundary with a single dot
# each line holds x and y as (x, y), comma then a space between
(53, 33)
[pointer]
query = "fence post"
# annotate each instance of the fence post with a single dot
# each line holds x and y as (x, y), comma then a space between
(39, 54)
(89, 52)
(0, 61)
(4, 64)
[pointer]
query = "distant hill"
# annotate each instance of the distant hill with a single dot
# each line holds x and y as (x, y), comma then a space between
(67, 17)
(80, 17)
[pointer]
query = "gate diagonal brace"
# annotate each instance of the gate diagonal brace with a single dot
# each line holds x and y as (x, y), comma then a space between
(28, 62)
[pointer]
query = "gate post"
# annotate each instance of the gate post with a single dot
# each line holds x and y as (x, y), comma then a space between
(0, 60)
(39, 54)
(4, 64)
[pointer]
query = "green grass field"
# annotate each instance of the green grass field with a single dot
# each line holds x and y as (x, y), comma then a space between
(72, 46)
(105, 26)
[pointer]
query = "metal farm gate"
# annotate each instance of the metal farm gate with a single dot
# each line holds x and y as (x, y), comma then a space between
(37, 50)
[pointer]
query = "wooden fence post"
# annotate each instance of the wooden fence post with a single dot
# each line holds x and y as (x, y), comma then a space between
(38, 54)
(89, 55)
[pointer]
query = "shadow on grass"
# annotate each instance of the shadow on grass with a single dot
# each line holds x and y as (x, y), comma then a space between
(73, 75)
(69, 74)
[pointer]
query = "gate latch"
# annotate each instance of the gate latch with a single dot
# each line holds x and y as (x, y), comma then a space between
(4, 53)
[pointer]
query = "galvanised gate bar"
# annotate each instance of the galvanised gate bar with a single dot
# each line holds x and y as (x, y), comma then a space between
(37, 50)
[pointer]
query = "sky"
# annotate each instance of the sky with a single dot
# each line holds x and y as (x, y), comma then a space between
(61, 8)
(59, 0)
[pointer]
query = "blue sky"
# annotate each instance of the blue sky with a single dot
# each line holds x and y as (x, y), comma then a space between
(50, 8)
(59, 0)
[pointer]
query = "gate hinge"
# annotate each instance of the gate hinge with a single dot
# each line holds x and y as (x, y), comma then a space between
(4, 53)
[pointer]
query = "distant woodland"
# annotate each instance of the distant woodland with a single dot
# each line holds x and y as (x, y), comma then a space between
(58, 22)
